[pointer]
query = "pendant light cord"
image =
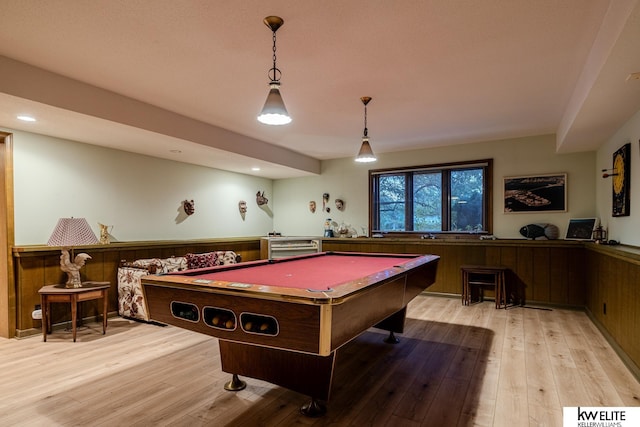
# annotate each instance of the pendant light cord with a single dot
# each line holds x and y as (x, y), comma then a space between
(365, 120)
(275, 69)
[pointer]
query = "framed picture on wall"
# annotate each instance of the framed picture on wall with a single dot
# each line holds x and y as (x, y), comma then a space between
(581, 228)
(620, 176)
(536, 193)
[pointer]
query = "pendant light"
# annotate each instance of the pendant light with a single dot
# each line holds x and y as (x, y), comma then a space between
(366, 153)
(274, 112)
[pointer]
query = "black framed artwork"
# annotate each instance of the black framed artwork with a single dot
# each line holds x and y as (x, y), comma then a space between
(535, 193)
(621, 175)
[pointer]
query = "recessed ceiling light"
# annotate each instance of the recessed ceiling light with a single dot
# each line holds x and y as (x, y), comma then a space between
(26, 118)
(255, 169)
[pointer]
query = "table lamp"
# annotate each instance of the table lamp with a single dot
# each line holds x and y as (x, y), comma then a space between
(70, 232)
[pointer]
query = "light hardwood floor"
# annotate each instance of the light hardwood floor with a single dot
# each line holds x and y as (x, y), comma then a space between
(454, 365)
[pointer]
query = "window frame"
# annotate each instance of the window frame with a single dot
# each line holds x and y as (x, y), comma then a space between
(445, 168)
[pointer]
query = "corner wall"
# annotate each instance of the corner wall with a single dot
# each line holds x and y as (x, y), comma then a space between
(625, 229)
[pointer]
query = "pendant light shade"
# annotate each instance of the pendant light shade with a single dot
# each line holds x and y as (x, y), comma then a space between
(274, 112)
(366, 153)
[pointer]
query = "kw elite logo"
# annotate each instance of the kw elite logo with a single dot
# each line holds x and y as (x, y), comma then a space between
(581, 416)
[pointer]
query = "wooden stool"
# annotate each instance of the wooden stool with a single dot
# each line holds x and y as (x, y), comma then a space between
(484, 275)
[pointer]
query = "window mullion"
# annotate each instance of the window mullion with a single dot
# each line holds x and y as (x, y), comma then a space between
(446, 200)
(408, 218)
(374, 206)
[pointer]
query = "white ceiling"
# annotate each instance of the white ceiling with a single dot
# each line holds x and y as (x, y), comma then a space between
(155, 76)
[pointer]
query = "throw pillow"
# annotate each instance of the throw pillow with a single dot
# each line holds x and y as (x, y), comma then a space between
(204, 260)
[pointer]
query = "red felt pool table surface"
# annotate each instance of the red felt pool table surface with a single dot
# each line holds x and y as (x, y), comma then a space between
(320, 273)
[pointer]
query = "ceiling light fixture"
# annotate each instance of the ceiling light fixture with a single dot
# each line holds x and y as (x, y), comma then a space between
(274, 112)
(366, 153)
(26, 118)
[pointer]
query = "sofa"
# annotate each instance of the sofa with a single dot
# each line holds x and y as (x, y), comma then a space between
(131, 303)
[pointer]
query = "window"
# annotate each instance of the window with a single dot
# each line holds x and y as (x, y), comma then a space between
(452, 198)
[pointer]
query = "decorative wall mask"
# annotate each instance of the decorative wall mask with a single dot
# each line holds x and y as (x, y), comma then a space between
(312, 206)
(325, 200)
(188, 206)
(340, 204)
(242, 207)
(260, 199)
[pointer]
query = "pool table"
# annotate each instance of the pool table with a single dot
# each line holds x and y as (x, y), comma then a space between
(283, 320)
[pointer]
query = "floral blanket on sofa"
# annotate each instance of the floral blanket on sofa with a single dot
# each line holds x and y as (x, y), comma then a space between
(131, 301)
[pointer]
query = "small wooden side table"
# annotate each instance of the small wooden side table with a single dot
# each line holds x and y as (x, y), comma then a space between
(59, 293)
(484, 275)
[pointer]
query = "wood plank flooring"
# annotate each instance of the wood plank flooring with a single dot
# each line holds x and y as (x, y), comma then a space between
(454, 366)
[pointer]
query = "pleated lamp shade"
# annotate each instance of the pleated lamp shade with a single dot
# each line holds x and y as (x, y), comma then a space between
(70, 232)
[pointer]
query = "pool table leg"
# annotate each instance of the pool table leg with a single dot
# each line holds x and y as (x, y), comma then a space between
(236, 384)
(313, 409)
(391, 338)
(393, 323)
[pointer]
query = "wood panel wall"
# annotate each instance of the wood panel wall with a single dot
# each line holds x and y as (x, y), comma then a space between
(36, 266)
(544, 272)
(613, 298)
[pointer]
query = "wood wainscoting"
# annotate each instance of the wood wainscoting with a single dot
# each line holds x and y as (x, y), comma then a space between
(36, 266)
(612, 296)
(543, 272)
(540, 271)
